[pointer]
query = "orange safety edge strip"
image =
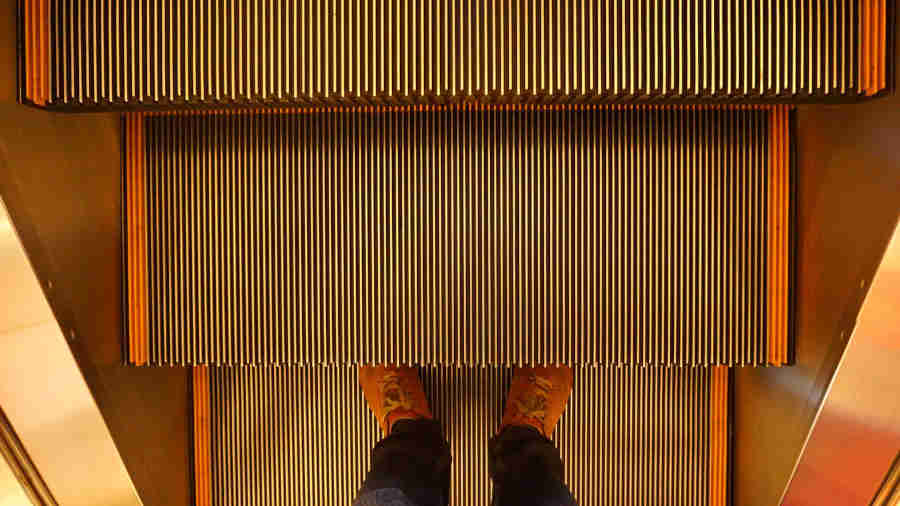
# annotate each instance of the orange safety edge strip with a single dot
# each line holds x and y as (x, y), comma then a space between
(141, 230)
(40, 49)
(202, 490)
(778, 234)
(29, 40)
(136, 242)
(713, 453)
(718, 436)
(770, 358)
(36, 44)
(777, 231)
(868, 45)
(785, 235)
(872, 46)
(129, 212)
(776, 244)
(881, 55)
(785, 229)
(863, 44)
(782, 233)
(43, 52)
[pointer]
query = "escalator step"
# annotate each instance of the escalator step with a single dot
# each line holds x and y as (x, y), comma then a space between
(85, 55)
(302, 435)
(489, 236)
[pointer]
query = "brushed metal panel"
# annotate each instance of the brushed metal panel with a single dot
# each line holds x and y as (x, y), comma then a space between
(855, 436)
(46, 400)
(60, 179)
(848, 202)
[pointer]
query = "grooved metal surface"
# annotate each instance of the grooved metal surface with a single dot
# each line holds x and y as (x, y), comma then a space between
(302, 435)
(161, 54)
(601, 236)
(35, 50)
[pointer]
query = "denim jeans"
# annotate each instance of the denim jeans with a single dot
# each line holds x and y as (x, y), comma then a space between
(411, 467)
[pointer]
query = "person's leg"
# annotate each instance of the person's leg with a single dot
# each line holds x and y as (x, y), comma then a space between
(411, 465)
(524, 465)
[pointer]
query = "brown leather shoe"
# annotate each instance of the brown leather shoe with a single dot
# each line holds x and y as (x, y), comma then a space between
(393, 393)
(537, 397)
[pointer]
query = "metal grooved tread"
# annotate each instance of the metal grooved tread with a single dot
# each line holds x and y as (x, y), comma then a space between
(653, 235)
(295, 435)
(88, 54)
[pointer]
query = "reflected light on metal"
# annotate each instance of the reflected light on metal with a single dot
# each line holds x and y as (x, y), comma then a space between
(45, 397)
(856, 435)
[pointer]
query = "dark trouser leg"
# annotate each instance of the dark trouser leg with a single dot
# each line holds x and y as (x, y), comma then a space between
(410, 466)
(527, 470)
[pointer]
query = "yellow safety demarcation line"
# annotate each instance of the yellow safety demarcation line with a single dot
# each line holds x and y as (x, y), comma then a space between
(202, 491)
(137, 248)
(718, 437)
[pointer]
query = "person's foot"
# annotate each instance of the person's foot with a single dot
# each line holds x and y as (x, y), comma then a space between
(537, 397)
(394, 393)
